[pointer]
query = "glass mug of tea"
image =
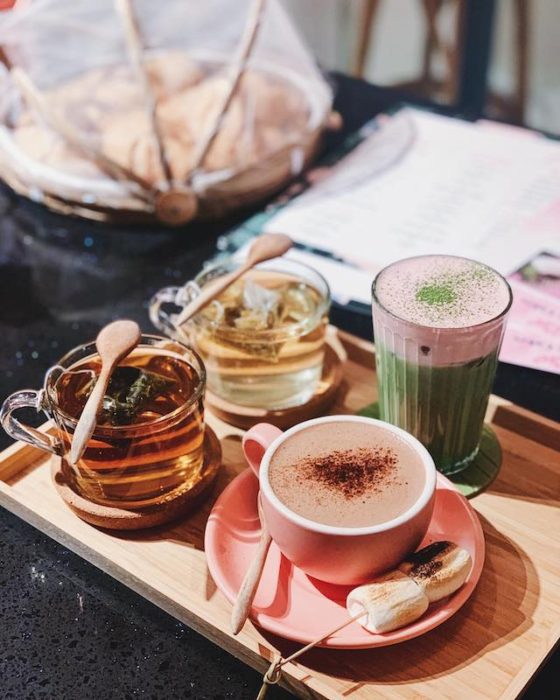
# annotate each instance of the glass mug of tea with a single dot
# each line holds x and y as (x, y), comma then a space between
(263, 340)
(147, 446)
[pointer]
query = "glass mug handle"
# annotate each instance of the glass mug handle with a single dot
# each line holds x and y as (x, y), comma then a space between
(28, 398)
(160, 318)
(179, 297)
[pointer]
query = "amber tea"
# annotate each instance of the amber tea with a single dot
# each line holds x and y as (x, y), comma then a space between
(263, 340)
(148, 443)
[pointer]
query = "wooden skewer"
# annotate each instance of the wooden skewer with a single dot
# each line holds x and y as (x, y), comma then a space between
(272, 676)
(244, 600)
(265, 247)
(113, 343)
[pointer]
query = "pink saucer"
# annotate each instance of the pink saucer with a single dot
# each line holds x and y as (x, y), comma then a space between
(291, 604)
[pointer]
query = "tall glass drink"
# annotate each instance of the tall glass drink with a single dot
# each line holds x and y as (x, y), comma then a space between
(438, 323)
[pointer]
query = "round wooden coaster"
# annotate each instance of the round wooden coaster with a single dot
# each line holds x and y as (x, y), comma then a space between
(481, 472)
(246, 416)
(114, 518)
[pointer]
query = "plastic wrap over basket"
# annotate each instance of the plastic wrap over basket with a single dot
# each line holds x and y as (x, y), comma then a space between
(135, 110)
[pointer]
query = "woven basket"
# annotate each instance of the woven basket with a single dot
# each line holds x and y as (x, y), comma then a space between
(125, 197)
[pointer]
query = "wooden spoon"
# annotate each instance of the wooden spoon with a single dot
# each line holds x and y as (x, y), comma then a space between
(265, 247)
(113, 343)
(244, 600)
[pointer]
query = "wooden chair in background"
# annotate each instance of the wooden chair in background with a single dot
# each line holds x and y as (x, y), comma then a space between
(451, 51)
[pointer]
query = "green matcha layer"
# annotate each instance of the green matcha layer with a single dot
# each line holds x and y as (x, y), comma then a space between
(442, 406)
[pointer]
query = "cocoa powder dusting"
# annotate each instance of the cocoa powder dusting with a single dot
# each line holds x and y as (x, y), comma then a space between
(353, 472)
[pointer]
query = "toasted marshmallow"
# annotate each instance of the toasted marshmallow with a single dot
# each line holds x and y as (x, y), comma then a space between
(391, 601)
(439, 569)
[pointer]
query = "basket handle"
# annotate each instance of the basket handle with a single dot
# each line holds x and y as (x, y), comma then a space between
(4, 58)
(244, 52)
(135, 52)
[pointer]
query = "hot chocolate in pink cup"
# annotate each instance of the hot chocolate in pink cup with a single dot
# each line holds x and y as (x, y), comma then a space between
(344, 497)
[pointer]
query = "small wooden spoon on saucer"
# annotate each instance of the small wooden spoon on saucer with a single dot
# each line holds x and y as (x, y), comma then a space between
(265, 247)
(114, 342)
(244, 600)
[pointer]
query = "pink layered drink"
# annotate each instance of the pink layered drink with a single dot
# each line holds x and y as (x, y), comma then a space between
(438, 323)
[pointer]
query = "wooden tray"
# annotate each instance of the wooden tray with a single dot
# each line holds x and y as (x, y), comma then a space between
(490, 649)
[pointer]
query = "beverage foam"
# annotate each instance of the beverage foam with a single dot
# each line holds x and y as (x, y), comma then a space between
(442, 291)
(347, 474)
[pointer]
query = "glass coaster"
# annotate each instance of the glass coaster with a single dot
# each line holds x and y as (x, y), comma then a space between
(483, 469)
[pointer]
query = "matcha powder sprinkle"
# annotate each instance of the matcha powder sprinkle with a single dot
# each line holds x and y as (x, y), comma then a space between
(442, 291)
(436, 294)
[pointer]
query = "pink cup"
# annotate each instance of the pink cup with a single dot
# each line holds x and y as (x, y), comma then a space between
(341, 555)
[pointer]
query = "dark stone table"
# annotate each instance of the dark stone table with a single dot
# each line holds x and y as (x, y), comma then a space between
(68, 630)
